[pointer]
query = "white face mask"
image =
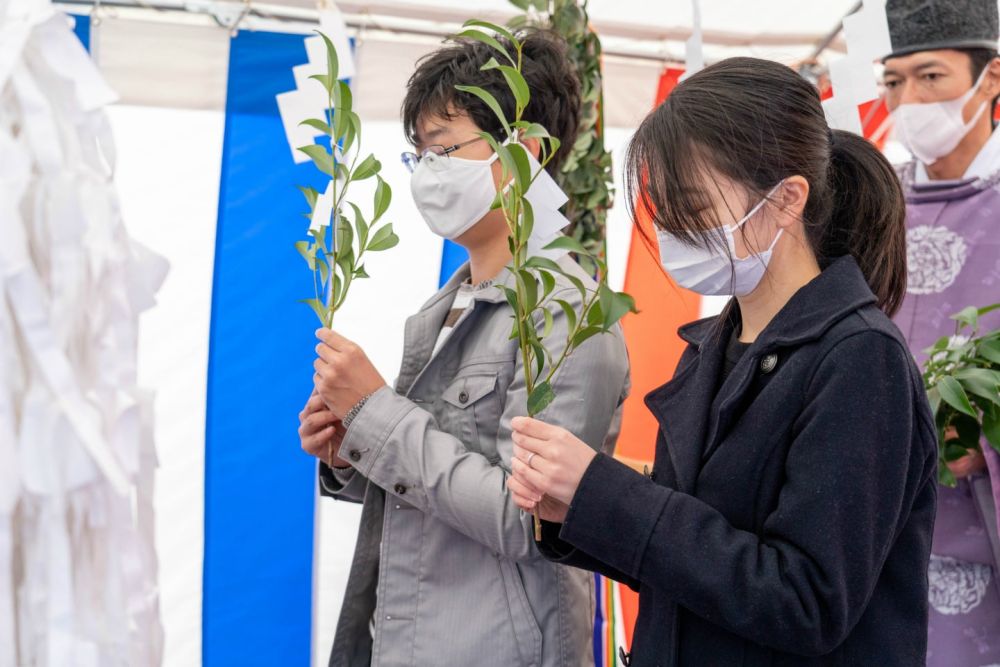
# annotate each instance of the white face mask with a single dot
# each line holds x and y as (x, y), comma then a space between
(931, 130)
(453, 193)
(710, 271)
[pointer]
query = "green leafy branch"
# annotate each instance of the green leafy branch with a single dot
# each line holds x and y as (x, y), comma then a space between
(337, 246)
(534, 298)
(962, 378)
(586, 175)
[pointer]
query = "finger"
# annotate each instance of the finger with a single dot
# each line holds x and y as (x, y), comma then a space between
(318, 420)
(315, 403)
(326, 353)
(318, 443)
(535, 428)
(529, 445)
(321, 367)
(333, 339)
(522, 489)
(531, 476)
(524, 502)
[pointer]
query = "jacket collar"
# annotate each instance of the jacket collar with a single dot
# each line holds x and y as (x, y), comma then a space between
(836, 292)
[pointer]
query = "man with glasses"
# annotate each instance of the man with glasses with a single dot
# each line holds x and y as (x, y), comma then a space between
(446, 571)
(942, 80)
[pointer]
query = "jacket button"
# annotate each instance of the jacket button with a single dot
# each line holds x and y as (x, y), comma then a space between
(768, 363)
(354, 455)
(463, 398)
(399, 489)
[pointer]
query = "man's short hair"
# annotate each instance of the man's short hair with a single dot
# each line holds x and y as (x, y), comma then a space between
(979, 60)
(551, 77)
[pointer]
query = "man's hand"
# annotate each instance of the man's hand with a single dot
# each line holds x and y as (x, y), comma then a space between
(321, 433)
(967, 465)
(344, 375)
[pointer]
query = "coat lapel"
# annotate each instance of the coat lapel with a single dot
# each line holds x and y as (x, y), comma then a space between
(680, 406)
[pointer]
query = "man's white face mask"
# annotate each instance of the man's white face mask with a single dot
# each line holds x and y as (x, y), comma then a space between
(453, 193)
(931, 130)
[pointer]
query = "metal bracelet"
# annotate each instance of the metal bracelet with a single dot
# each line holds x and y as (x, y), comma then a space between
(353, 412)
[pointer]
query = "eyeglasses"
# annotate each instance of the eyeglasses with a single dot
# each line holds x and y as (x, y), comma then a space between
(411, 160)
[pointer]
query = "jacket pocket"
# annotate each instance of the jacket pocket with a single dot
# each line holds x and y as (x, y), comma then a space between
(470, 410)
(523, 624)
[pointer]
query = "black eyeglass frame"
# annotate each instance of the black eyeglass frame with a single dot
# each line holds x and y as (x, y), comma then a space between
(411, 159)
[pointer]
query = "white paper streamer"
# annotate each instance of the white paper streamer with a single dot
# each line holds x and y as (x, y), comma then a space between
(853, 76)
(76, 448)
(309, 99)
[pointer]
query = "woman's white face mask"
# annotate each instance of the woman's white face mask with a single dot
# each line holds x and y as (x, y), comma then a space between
(453, 193)
(711, 271)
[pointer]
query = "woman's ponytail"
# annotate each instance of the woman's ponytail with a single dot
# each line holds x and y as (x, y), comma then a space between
(867, 217)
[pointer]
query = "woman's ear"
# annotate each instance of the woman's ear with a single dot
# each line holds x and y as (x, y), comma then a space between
(791, 197)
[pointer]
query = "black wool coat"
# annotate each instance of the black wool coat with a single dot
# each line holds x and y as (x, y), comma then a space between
(789, 514)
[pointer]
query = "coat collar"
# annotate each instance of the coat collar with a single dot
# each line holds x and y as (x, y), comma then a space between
(836, 292)
(683, 406)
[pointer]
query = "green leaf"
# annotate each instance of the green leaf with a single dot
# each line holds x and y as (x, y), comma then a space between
(614, 305)
(361, 273)
(327, 82)
(982, 382)
(549, 323)
(535, 131)
(990, 350)
(320, 157)
(529, 289)
(991, 426)
(548, 283)
(521, 168)
(488, 39)
(490, 101)
(360, 226)
(989, 309)
(324, 272)
(968, 316)
(317, 307)
(332, 68)
(954, 452)
(493, 27)
(311, 196)
(343, 98)
(954, 395)
(344, 239)
(318, 125)
(540, 398)
(304, 250)
(511, 296)
(383, 196)
(946, 477)
(568, 243)
(515, 81)
(539, 354)
(584, 334)
(368, 168)
(934, 397)
(570, 313)
(383, 239)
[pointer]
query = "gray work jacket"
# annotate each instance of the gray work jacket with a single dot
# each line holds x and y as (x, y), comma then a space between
(445, 561)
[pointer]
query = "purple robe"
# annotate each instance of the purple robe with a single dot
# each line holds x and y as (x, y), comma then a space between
(953, 255)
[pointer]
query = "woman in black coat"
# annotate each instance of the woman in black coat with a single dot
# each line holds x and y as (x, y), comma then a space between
(788, 517)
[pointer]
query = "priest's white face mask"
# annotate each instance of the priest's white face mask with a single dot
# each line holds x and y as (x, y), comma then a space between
(932, 130)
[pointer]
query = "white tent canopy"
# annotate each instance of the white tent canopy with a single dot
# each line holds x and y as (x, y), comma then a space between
(185, 42)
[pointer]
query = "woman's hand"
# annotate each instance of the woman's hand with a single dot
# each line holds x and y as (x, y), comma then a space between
(548, 460)
(528, 499)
